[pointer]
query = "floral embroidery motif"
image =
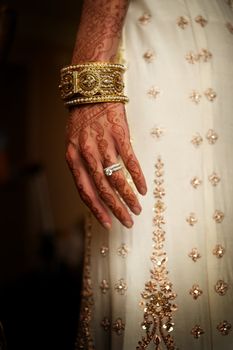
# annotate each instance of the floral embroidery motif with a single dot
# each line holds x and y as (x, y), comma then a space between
(104, 286)
(197, 331)
(123, 250)
(210, 94)
(197, 140)
(195, 291)
(157, 132)
(153, 92)
(218, 216)
(212, 136)
(194, 254)
(195, 96)
(224, 327)
(195, 182)
(84, 338)
(203, 56)
(191, 57)
(229, 27)
(201, 20)
(106, 324)
(219, 251)
(182, 22)
(214, 179)
(121, 286)
(192, 219)
(149, 56)
(221, 287)
(144, 19)
(158, 311)
(104, 251)
(118, 326)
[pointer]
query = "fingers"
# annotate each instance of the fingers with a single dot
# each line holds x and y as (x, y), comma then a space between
(86, 187)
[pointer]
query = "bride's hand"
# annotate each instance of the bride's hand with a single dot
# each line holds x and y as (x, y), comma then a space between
(96, 135)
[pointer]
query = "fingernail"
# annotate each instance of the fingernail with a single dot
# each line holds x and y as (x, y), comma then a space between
(107, 225)
(137, 210)
(143, 190)
(128, 224)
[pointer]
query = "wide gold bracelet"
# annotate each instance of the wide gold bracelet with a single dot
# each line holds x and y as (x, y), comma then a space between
(92, 82)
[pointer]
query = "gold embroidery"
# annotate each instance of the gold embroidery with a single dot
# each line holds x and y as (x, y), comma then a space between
(121, 286)
(105, 323)
(210, 94)
(123, 250)
(195, 291)
(182, 22)
(153, 92)
(214, 179)
(219, 251)
(195, 96)
(145, 19)
(149, 56)
(118, 326)
(218, 216)
(104, 286)
(194, 254)
(212, 136)
(195, 182)
(221, 287)
(229, 27)
(197, 140)
(157, 132)
(104, 251)
(224, 327)
(197, 331)
(158, 293)
(201, 20)
(192, 219)
(84, 338)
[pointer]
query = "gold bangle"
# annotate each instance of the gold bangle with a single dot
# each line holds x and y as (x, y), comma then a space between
(92, 82)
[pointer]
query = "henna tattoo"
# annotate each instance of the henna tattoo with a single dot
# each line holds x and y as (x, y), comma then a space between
(100, 30)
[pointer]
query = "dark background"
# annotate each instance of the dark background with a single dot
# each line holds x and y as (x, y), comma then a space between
(41, 217)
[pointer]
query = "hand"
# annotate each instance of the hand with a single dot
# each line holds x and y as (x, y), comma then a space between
(96, 135)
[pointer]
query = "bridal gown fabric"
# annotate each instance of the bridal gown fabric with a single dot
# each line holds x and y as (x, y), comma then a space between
(169, 279)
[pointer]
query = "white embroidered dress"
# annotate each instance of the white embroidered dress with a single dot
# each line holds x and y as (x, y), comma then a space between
(180, 84)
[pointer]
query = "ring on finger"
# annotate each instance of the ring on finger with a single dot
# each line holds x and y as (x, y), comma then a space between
(112, 168)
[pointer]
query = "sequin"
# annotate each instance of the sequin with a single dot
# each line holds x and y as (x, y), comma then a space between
(218, 216)
(221, 287)
(195, 96)
(212, 136)
(195, 182)
(121, 286)
(153, 92)
(224, 327)
(104, 251)
(106, 324)
(192, 219)
(214, 179)
(195, 291)
(197, 140)
(229, 27)
(201, 20)
(149, 56)
(210, 94)
(157, 132)
(197, 331)
(194, 254)
(219, 251)
(182, 22)
(144, 19)
(118, 326)
(104, 286)
(123, 250)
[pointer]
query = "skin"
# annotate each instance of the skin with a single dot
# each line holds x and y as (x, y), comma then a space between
(97, 134)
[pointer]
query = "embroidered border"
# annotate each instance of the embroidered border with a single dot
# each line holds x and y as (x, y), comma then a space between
(158, 293)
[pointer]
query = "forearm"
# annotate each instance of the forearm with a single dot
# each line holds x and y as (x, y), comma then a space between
(100, 30)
